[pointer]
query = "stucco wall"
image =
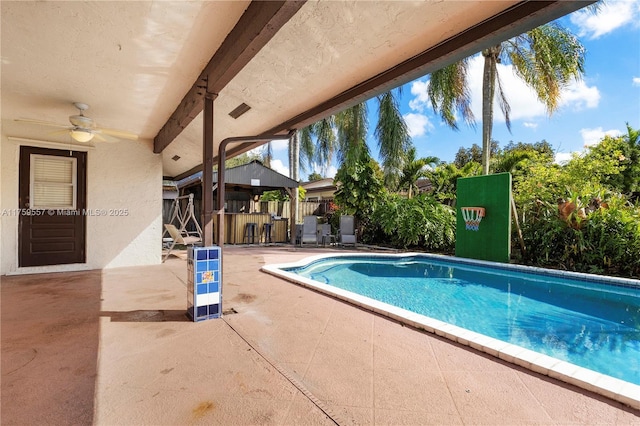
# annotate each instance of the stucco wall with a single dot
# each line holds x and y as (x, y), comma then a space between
(124, 179)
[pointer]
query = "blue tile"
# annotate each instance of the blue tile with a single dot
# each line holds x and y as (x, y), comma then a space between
(201, 266)
(214, 288)
(214, 265)
(201, 254)
(202, 289)
(214, 309)
(213, 253)
(202, 311)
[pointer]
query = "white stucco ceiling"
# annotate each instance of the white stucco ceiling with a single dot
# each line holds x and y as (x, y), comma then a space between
(133, 62)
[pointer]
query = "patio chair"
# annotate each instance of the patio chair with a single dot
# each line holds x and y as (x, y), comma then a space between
(309, 231)
(347, 232)
(179, 238)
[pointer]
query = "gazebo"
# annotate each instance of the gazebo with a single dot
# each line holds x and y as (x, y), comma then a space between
(244, 184)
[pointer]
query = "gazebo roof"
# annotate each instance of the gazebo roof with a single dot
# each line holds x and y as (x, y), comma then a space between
(253, 174)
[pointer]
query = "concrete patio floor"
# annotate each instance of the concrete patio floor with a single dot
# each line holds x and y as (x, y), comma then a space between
(114, 347)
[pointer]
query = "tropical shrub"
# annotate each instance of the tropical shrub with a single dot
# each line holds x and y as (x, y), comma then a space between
(605, 240)
(444, 180)
(420, 221)
(577, 216)
(360, 186)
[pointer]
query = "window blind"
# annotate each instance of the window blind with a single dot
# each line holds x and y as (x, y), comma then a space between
(53, 182)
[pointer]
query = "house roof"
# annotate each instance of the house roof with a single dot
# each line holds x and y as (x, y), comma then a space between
(147, 66)
(319, 185)
(253, 174)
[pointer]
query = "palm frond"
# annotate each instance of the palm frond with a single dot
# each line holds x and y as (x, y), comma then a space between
(307, 147)
(326, 140)
(449, 93)
(352, 128)
(503, 102)
(393, 137)
(548, 58)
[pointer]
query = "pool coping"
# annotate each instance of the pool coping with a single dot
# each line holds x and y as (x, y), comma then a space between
(610, 387)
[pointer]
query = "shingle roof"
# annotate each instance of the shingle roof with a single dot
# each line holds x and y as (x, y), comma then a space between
(250, 174)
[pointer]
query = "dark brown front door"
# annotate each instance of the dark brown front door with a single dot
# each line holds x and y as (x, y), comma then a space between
(52, 203)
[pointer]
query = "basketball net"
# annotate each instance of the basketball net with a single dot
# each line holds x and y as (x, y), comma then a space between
(472, 217)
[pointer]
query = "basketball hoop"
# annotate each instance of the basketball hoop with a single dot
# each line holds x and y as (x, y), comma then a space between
(472, 217)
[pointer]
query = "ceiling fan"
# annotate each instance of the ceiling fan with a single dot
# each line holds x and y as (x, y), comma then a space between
(83, 128)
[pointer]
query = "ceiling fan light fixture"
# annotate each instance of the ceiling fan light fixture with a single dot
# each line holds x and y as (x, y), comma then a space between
(81, 135)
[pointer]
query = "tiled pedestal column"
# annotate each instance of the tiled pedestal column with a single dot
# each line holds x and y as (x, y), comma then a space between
(204, 299)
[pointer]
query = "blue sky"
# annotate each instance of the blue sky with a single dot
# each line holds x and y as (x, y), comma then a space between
(601, 103)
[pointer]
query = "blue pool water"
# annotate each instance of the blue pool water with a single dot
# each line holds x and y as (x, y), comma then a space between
(590, 324)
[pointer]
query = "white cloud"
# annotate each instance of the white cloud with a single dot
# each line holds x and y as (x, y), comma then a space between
(256, 151)
(421, 100)
(280, 145)
(612, 15)
(276, 145)
(592, 137)
(563, 157)
(279, 167)
(580, 96)
(636, 81)
(530, 125)
(522, 99)
(327, 172)
(418, 124)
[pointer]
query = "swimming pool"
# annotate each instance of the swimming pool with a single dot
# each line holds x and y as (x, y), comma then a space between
(581, 328)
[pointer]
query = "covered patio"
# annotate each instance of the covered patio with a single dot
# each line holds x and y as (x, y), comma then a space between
(100, 336)
(107, 347)
(177, 87)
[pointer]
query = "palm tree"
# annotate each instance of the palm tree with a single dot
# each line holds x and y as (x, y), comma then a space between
(294, 156)
(547, 59)
(414, 169)
(320, 154)
(267, 154)
(507, 162)
(345, 134)
(444, 180)
(352, 126)
(393, 137)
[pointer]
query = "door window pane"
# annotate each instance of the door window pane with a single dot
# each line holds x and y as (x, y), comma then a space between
(53, 182)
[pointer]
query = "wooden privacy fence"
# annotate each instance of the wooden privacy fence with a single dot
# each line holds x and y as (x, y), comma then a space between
(283, 208)
(277, 208)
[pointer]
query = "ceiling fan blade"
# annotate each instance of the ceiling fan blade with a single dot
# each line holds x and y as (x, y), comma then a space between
(105, 138)
(42, 123)
(59, 132)
(118, 133)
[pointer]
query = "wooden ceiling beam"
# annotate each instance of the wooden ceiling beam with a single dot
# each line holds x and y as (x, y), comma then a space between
(257, 25)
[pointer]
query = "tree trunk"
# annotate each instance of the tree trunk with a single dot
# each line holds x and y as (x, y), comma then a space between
(294, 156)
(488, 90)
(294, 173)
